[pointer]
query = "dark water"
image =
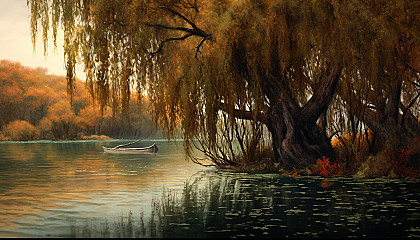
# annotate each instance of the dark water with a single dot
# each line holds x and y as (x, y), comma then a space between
(73, 189)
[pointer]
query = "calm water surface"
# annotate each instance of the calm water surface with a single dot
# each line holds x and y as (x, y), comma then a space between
(45, 185)
(73, 189)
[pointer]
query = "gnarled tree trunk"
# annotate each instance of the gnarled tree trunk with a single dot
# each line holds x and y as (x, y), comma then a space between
(296, 143)
(297, 139)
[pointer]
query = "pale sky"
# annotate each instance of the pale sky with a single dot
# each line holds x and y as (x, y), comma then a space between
(16, 44)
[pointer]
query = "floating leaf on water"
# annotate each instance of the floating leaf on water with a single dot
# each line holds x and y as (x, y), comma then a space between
(277, 220)
(294, 211)
(321, 214)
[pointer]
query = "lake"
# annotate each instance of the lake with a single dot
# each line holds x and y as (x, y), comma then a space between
(73, 189)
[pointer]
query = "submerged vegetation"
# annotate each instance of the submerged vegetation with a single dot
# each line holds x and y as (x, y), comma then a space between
(328, 86)
(228, 206)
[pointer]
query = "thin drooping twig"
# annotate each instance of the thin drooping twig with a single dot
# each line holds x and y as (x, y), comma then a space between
(406, 109)
(179, 15)
(199, 45)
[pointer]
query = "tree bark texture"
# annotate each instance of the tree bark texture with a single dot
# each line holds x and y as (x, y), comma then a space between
(297, 139)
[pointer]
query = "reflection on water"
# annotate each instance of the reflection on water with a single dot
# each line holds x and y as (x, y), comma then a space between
(72, 189)
(44, 185)
(222, 204)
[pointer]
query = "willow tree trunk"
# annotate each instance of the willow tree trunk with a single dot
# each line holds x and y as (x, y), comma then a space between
(396, 131)
(388, 125)
(297, 139)
(296, 143)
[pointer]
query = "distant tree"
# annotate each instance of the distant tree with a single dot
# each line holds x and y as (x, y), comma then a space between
(89, 118)
(60, 121)
(21, 130)
(23, 96)
(40, 99)
(219, 65)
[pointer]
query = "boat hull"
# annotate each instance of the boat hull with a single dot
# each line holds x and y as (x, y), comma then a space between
(151, 149)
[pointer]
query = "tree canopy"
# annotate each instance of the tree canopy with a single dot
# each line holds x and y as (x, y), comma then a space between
(232, 72)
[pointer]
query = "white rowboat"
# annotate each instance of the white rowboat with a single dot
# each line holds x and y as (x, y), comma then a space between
(118, 149)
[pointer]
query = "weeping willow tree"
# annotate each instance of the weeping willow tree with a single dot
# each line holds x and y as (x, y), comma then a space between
(227, 70)
(378, 100)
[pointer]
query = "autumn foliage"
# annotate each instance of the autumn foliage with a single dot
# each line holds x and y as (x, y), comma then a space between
(326, 168)
(21, 130)
(35, 105)
(401, 165)
(237, 73)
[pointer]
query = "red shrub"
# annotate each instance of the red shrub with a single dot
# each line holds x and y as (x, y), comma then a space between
(401, 165)
(326, 168)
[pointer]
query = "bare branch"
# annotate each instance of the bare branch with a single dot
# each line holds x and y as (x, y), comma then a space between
(190, 31)
(184, 29)
(191, 5)
(120, 23)
(409, 106)
(180, 15)
(201, 43)
(162, 43)
(243, 114)
(415, 84)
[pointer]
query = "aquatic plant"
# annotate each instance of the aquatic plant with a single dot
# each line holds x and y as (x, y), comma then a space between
(256, 206)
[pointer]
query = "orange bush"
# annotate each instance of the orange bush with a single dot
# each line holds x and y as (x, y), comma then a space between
(21, 131)
(353, 149)
(325, 167)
